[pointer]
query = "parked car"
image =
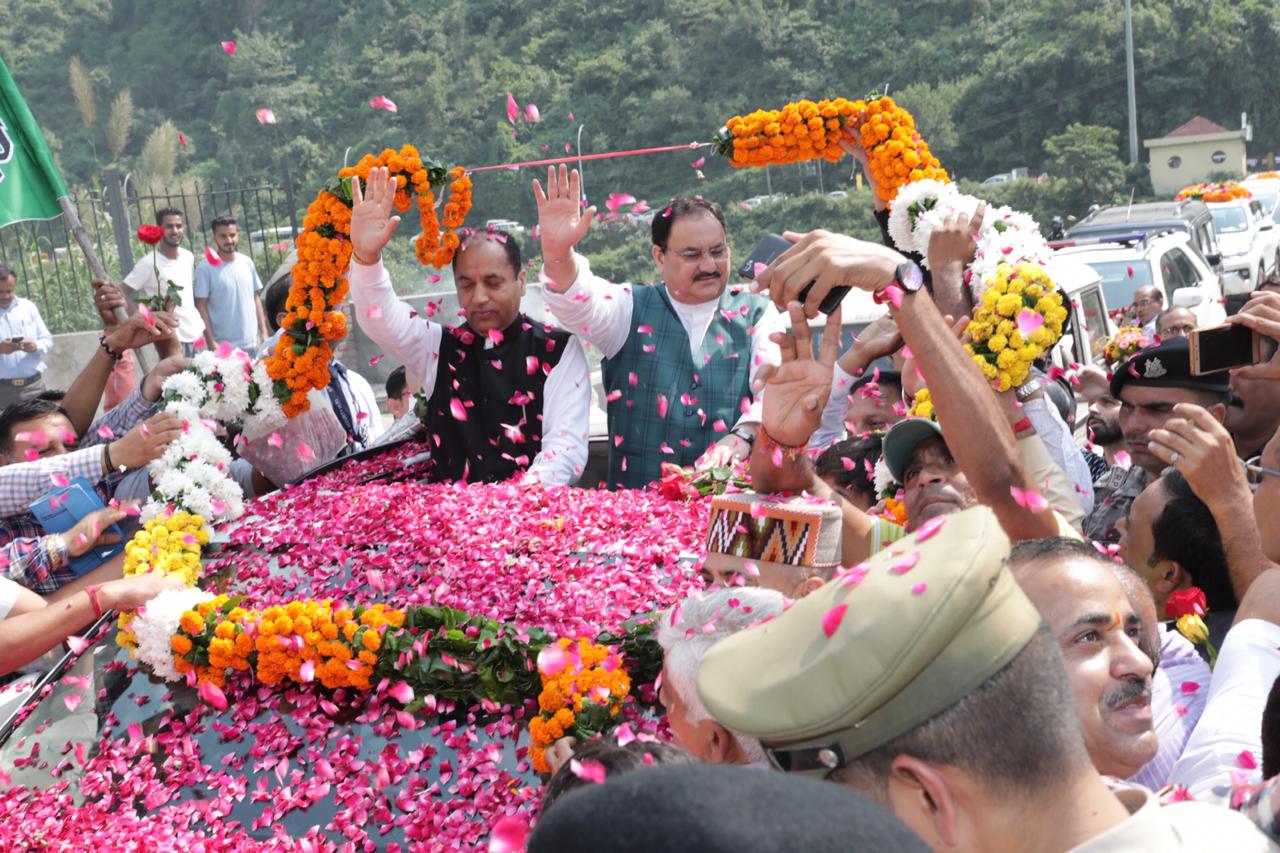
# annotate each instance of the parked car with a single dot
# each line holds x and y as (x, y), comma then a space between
(1249, 243)
(1190, 217)
(508, 225)
(260, 241)
(1265, 191)
(1167, 261)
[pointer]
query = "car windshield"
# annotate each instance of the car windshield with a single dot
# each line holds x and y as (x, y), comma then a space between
(1121, 278)
(1267, 199)
(1230, 220)
(337, 766)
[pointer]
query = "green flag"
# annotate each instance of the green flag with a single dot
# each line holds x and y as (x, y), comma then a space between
(30, 185)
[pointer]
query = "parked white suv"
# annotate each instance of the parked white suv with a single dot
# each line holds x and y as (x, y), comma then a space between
(1249, 242)
(1167, 261)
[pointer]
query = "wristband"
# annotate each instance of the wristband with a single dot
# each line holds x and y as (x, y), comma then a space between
(789, 451)
(56, 547)
(361, 261)
(92, 592)
(1022, 426)
(106, 347)
(106, 458)
(744, 434)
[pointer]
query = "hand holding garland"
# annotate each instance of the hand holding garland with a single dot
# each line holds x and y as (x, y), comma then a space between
(145, 442)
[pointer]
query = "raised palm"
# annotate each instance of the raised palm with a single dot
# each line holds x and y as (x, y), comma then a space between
(372, 225)
(561, 220)
(797, 390)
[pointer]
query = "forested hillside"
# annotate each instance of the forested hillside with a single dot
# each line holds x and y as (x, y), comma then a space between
(989, 81)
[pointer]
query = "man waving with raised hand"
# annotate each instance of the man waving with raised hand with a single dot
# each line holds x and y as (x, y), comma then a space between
(679, 357)
(504, 393)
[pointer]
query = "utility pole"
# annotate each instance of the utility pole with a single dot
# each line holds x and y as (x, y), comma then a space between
(1133, 95)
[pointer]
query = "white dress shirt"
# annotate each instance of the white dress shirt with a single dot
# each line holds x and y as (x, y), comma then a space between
(1247, 666)
(179, 270)
(600, 312)
(1179, 690)
(22, 320)
(415, 343)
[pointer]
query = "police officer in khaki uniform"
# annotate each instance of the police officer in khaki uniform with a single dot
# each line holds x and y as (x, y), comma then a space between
(926, 679)
(1148, 386)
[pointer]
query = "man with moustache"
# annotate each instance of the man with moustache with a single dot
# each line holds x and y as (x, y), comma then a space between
(680, 358)
(503, 393)
(1148, 385)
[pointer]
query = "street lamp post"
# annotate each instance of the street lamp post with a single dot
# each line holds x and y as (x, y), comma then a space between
(1133, 96)
(582, 175)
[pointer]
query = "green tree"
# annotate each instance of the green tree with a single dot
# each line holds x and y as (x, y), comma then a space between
(1087, 154)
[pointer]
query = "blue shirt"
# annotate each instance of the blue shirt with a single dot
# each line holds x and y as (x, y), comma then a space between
(230, 288)
(22, 320)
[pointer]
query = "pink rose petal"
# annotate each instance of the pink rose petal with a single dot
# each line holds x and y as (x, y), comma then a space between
(1029, 499)
(832, 618)
(508, 834)
(382, 102)
(588, 771)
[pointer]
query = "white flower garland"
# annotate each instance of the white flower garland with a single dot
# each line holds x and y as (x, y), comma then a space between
(193, 474)
(155, 625)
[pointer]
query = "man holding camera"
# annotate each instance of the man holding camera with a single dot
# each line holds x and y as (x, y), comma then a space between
(24, 340)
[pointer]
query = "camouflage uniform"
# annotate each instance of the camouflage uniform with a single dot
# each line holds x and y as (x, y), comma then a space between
(1114, 493)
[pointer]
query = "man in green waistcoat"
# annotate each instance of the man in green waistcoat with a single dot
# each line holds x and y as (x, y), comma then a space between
(680, 356)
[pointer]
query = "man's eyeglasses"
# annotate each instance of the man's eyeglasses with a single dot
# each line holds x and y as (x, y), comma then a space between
(1177, 331)
(1255, 472)
(1143, 303)
(692, 256)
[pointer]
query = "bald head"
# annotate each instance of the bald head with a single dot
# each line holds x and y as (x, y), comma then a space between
(1175, 323)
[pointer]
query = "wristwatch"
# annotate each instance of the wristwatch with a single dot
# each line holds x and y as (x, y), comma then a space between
(744, 434)
(909, 276)
(1026, 389)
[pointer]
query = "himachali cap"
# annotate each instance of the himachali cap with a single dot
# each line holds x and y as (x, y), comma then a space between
(770, 529)
(1166, 365)
(873, 654)
(903, 438)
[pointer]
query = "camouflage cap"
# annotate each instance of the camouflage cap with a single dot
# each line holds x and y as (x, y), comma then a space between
(878, 650)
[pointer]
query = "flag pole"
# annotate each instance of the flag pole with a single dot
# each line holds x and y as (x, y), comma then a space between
(96, 269)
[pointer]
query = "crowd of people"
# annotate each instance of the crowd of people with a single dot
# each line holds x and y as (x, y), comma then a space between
(964, 619)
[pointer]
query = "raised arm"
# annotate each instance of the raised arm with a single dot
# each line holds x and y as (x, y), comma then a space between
(562, 223)
(85, 393)
(414, 342)
(977, 434)
(1201, 448)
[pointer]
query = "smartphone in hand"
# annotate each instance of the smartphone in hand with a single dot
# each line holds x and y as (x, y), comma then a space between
(768, 250)
(1223, 348)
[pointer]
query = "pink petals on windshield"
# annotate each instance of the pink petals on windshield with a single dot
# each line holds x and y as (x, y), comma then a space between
(832, 618)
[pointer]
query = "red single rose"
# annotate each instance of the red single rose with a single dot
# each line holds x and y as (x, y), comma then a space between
(150, 234)
(1185, 602)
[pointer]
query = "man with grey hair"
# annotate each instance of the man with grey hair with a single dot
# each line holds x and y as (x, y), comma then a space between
(686, 632)
(926, 679)
(1148, 302)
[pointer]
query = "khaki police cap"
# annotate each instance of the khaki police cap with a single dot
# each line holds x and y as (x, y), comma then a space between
(929, 622)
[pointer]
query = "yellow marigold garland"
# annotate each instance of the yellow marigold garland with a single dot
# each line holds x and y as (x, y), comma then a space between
(168, 544)
(809, 130)
(1211, 193)
(998, 346)
(578, 700)
(922, 406)
(300, 363)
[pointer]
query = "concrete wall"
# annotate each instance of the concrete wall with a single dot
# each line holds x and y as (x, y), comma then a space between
(72, 351)
(1196, 155)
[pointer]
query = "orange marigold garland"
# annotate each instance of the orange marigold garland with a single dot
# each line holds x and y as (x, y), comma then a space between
(808, 130)
(315, 323)
(583, 687)
(1213, 193)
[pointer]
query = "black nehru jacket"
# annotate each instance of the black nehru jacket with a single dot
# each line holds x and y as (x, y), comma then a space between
(497, 387)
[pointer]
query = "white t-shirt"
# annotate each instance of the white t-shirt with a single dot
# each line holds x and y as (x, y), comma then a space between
(179, 270)
(8, 597)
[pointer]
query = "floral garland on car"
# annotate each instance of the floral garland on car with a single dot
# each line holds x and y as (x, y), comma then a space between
(300, 363)
(807, 130)
(1213, 193)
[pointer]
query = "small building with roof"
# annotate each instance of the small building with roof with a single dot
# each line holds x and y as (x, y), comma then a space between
(1192, 153)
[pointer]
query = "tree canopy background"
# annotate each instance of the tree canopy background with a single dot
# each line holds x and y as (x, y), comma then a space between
(989, 82)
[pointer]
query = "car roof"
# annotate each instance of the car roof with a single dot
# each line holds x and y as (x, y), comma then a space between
(1154, 212)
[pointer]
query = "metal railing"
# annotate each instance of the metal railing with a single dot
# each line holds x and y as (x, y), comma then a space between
(52, 271)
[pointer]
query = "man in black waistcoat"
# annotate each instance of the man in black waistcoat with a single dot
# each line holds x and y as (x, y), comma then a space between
(502, 393)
